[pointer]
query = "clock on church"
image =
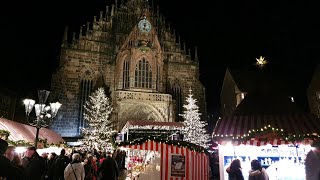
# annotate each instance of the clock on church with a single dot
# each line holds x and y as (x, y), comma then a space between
(144, 25)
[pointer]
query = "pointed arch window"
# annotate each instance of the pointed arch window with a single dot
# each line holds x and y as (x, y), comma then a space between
(158, 77)
(176, 95)
(143, 74)
(126, 74)
(86, 87)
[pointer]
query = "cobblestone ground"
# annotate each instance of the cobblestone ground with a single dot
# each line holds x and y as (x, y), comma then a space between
(122, 174)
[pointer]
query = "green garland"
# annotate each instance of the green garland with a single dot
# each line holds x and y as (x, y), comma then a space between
(262, 134)
(24, 143)
(191, 146)
(4, 133)
(20, 143)
(280, 133)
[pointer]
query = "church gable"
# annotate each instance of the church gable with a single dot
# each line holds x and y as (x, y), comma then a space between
(138, 55)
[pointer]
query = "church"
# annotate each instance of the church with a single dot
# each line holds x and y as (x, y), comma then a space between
(131, 51)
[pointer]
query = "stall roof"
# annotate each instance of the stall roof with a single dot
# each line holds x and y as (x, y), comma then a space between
(19, 131)
(264, 110)
(240, 125)
(152, 125)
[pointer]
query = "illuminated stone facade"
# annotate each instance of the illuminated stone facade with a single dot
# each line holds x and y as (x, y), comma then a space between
(145, 67)
(313, 93)
(230, 95)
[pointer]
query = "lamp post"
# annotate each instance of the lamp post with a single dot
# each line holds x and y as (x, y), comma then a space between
(44, 113)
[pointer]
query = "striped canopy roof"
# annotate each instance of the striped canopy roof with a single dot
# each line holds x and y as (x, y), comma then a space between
(239, 126)
(19, 131)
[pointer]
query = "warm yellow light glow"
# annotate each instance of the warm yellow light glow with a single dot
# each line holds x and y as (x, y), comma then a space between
(261, 61)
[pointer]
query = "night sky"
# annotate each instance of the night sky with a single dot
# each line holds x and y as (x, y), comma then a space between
(227, 33)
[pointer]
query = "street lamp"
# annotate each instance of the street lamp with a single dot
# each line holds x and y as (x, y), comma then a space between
(44, 114)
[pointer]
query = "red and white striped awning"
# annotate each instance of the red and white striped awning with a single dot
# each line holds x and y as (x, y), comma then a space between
(19, 131)
(196, 164)
(293, 124)
(148, 145)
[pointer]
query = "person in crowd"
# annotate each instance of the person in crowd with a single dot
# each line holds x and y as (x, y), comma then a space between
(10, 153)
(257, 172)
(35, 164)
(234, 170)
(109, 168)
(90, 173)
(312, 162)
(44, 155)
(16, 161)
(123, 161)
(103, 157)
(118, 158)
(51, 160)
(60, 165)
(74, 170)
(7, 170)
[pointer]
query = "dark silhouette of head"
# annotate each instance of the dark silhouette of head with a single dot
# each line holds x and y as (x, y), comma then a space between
(62, 152)
(235, 165)
(3, 146)
(256, 165)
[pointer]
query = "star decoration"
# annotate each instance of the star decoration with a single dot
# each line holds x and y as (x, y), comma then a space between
(261, 61)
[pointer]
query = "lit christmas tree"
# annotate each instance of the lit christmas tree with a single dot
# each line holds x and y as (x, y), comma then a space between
(194, 129)
(98, 132)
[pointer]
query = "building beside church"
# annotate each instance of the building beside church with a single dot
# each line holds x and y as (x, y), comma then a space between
(133, 53)
(231, 93)
(313, 92)
(8, 101)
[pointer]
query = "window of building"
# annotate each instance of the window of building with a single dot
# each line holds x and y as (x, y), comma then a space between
(176, 95)
(126, 74)
(143, 74)
(86, 87)
(158, 78)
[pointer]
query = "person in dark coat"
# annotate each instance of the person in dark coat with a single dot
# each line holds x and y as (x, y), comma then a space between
(51, 161)
(109, 168)
(312, 162)
(60, 165)
(7, 170)
(35, 165)
(234, 171)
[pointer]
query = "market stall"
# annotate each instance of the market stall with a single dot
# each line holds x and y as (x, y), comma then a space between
(140, 129)
(280, 143)
(165, 160)
(22, 135)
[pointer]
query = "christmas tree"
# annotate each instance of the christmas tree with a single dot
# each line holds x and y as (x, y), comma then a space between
(194, 129)
(98, 131)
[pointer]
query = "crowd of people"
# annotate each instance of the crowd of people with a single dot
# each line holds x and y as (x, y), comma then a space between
(257, 172)
(78, 165)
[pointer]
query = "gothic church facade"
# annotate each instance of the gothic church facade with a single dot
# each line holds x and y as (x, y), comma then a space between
(130, 51)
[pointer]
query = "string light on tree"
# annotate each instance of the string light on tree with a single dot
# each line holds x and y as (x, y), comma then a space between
(99, 130)
(194, 129)
(261, 61)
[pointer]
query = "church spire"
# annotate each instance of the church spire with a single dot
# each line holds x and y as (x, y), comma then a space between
(80, 32)
(65, 37)
(196, 58)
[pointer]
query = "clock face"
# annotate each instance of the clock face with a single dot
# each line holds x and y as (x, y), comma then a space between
(144, 25)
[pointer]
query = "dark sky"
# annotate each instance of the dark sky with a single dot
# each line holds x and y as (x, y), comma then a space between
(227, 33)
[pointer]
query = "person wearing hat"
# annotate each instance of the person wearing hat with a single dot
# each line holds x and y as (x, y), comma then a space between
(35, 165)
(7, 170)
(312, 162)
